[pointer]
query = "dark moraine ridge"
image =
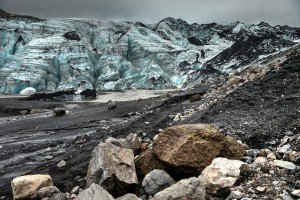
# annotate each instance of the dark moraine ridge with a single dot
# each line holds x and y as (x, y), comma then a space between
(261, 111)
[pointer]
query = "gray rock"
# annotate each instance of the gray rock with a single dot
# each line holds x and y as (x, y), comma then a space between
(113, 168)
(94, 192)
(130, 142)
(189, 189)
(111, 105)
(285, 149)
(156, 181)
(75, 190)
(296, 193)
(236, 195)
(47, 192)
(247, 159)
(58, 112)
(128, 197)
(221, 175)
(286, 197)
(59, 196)
(252, 153)
(61, 164)
(285, 164)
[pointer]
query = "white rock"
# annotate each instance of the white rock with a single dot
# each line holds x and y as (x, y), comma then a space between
(285, 164)
(296, 193)
(260, 160)
(28, 91)
(27, 187)
(221, 174)
(61, 164)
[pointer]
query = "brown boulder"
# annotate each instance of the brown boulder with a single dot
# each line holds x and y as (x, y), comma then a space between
(187, 149)
(146, 162)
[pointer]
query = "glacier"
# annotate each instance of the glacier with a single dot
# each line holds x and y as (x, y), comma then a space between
(63, 54)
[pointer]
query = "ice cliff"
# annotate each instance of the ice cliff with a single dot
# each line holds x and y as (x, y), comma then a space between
(60, 54)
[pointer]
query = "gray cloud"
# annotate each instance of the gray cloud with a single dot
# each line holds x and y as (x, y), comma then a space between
(199, 11)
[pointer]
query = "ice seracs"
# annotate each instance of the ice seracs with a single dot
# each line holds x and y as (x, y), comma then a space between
(62, 54)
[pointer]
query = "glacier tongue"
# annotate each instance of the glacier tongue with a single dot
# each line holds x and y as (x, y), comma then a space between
(62, 54)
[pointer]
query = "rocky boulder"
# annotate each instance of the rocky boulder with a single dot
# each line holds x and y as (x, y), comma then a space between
(94, 192)
(186, 189)
(47, 192)
(113, 168)
(27, 187)
(188, 149)
(130, 142)
(156, 181)
(221, 175)
(146, 162)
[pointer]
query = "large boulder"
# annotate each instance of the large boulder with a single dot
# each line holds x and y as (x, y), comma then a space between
(47, 192)
(221, 175)
(94, 192)
(186, 189)
(27, 187)
(113, 168)
(146, 162)
(188, 149)
(156, 181)
(130, 142)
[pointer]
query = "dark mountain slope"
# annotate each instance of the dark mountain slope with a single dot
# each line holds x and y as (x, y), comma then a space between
(260, 112)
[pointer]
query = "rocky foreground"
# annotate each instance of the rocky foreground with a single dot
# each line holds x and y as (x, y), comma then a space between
(183, 162)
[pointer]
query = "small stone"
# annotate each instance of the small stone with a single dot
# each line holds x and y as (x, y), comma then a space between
(271, 156)
(59, 196)
(260, 160)
(289, 133)
(111, 105)
(61, 164)
(160, 130)
(82, 182)
(58, 112)
(77, 178)
(75, 190)
(261, 189)
(128, 196)
(264, 152)
(48, 149)
(285, 149)
(247, 160)
(47, 192)
(144, 146)
(236, 195)
(286, 197)
(48, 157)
(294, 156)
(252, 153)
(178, 117)
(285, 164)
(296, 193)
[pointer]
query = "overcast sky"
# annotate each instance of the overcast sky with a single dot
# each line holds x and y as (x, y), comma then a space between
(199, 11)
